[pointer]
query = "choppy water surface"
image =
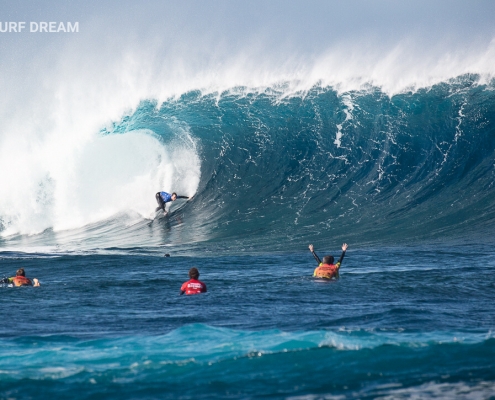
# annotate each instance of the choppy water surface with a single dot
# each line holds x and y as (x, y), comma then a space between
(400, 322)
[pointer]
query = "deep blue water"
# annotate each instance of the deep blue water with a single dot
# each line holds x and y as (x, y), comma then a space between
(115, 326)
(407, 181)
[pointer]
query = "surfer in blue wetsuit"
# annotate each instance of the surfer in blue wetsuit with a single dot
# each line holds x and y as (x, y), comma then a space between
(163, 197)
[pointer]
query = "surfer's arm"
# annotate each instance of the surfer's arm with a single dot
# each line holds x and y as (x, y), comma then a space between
(311, 248)
(182, 292)
(182, 197)
(344, 248)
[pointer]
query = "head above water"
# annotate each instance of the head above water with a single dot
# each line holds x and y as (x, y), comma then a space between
(174, 196)
(20, 272)
(193, 273)
(328, 260)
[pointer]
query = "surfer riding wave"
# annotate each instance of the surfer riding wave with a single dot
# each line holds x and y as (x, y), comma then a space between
(163, 198)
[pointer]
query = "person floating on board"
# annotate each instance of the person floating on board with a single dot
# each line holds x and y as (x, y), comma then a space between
(326, 268)
(193, 286)
(20, 279)
(163, 197)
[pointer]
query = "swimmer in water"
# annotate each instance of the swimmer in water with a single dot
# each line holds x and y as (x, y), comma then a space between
(327, 269)
(193, 285)
(20, 279)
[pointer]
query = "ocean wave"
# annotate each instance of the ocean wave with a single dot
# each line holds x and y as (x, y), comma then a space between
(203, 344)
(272, 169)
(193, 357)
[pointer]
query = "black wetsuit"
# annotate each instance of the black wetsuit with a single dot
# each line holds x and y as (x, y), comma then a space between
(319, 261)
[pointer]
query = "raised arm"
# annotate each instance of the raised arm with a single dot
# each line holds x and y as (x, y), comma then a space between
(311, 248)
(344, 248)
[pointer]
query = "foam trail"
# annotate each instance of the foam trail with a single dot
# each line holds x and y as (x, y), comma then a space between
(346, 99)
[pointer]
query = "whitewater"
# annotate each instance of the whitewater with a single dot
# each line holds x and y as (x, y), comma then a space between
(287, 125)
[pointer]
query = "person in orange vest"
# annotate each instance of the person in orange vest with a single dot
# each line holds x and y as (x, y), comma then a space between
(326, 268)
(20, 279)
(193, 286)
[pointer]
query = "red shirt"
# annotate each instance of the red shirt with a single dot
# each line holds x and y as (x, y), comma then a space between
(193, 286)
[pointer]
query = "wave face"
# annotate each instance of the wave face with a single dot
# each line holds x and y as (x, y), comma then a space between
(275, 168)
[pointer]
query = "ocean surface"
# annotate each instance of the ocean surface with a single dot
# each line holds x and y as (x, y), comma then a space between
(407, 180)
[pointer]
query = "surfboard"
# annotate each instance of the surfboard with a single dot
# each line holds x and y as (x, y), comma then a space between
(172, 211)
(157, 215)
(323, 280)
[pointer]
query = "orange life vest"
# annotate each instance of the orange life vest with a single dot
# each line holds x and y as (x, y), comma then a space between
(21, 281)
(327, 271)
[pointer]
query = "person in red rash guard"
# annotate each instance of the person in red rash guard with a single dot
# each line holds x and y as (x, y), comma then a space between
(193, 286)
